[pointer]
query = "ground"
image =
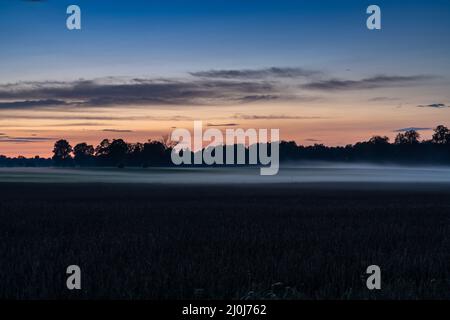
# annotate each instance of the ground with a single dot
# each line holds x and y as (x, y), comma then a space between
(163, 241)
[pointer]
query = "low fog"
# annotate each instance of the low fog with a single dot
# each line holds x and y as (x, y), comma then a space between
(292, 173)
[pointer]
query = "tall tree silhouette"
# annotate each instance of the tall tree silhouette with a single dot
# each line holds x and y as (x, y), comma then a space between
(112, 153)
(441, 135)
(117, 152)
(135, 151)
(409, 137)
(102, 153)
(61, 152)
(83, 154)
(103, 148)
(154, 153)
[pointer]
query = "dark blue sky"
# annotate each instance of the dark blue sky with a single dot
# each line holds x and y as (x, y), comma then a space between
(170, 37)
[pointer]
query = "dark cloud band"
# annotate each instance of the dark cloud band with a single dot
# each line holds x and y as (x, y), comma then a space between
(412, 129)
(135, 92)
(273, 72)
(434, 105)
(381, 81)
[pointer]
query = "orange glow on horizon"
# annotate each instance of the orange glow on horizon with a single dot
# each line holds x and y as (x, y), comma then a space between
(307, 124)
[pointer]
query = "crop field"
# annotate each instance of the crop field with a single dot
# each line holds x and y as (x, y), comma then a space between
(246, 241)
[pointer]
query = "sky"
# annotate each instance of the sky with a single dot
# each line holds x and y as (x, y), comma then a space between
(138, 69)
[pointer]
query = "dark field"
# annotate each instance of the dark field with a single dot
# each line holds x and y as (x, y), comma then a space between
(159, 241)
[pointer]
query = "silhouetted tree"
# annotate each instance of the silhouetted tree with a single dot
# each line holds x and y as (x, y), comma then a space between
(154, 153)
(441, 135)
(117, 152)
(167, 142)
(83, 154)
(103, 148)
(102, 153)
(135, 151)
(379, 140)
(61, 152)
(288, 150)
(409, 137)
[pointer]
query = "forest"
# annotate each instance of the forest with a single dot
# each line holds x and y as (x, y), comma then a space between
(407, 148)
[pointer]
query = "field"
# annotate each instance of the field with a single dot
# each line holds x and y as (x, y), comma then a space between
(280, 241)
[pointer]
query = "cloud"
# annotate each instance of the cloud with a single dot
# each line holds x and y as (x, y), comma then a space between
(271, 97)
(273, 72)
(30, 139)
(31, 104)
(207, 88)
(125, 92)
(412, 128)
(312, 140)
(434, 105)
(169, 118)
(222, 124)
(99, 117)
(65, 117)
(116, 130)
(383, 99)
(253, 98)
(380, 81)
(271, 117)
(76, 124)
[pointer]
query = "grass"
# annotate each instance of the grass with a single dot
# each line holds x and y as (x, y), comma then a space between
(216, 242)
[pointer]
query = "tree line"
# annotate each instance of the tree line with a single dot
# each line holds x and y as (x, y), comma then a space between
(407, 148)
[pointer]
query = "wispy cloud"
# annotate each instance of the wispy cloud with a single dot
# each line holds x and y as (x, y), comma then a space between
(99, 117)
(263, 97)
(273, 72)
(30, 139)
(271, 117)
(383, 99)
(117, 130)
(77, 124)
(312, 140)
(207, 88)
(222, 124)
(380, 81)
(31, 104)
(434, 105)
(412, 128)
(125, 92)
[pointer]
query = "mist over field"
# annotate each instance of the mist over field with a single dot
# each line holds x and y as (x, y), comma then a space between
(292, 173)
(309, 232)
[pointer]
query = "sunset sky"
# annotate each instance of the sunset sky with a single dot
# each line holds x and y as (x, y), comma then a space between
(138, 69)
